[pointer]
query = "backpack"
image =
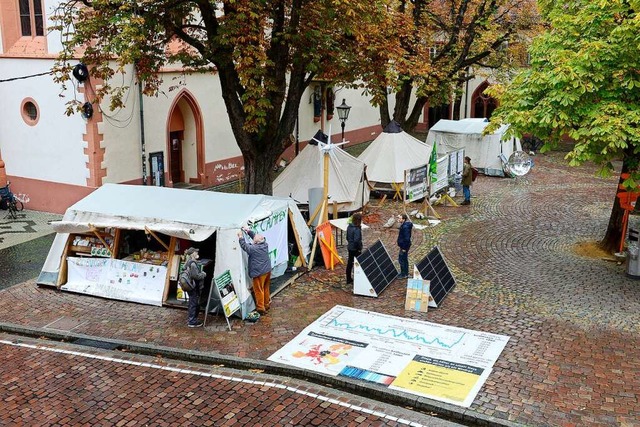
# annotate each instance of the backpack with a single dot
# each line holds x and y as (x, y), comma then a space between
(185, 279)
(474, 174)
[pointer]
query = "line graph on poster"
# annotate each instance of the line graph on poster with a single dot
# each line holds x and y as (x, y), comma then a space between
(344, 320)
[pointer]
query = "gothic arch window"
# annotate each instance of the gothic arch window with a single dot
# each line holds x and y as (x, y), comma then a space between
(482, 105)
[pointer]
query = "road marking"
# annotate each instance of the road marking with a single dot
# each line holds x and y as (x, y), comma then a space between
(207, 374)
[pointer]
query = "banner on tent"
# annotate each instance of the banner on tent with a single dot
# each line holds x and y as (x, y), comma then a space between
(274, 229)
(116, 279)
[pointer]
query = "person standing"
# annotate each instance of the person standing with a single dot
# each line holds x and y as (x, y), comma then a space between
(197, 284)
(467, 179)
(354, 243)
(404, 243)
(259, 266)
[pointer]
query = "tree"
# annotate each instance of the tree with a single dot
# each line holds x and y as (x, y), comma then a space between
(265, 52)
(441, 43)
(583, 83)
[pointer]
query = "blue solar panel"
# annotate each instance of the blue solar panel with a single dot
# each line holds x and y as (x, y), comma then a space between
(434, 268)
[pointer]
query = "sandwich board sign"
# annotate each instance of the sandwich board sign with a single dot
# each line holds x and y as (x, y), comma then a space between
(223, 295)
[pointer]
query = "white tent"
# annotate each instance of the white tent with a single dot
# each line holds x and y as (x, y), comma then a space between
(391, 153)
(186, 214)
(348, 186)
(487, 152)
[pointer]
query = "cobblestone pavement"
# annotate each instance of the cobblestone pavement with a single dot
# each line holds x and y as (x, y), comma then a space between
(574, 321)
(54, 384)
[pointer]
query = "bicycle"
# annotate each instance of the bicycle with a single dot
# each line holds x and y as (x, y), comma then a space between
(8, 201)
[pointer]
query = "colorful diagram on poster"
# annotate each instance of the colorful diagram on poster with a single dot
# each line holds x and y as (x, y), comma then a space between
(440, 362)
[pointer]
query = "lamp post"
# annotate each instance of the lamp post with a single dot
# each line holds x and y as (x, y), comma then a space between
(343, 115)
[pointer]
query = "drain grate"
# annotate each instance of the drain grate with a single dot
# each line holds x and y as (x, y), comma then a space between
(96, 344)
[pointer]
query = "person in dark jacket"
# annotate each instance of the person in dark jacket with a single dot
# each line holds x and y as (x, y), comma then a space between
(354, 243)
(404, 243)
(259, 265)
(467, 179)
(197, 279)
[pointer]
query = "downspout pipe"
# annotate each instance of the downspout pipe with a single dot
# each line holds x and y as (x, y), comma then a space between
(142, 140)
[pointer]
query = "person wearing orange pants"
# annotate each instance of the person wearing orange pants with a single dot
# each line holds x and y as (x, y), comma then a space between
(259, 265)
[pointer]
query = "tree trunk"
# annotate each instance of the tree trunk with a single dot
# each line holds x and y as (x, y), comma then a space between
(613, 236)
(258, 169)
(403, 98)
(412, 121)
(385, 118)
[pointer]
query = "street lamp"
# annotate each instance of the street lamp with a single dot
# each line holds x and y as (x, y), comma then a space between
(343, 115)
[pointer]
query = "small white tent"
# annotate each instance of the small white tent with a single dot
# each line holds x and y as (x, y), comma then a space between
(487, 152)
(185, 214)
(348, 185)
(391, 153)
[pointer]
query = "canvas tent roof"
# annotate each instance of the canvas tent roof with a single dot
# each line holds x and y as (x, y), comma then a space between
(193, 215)
(485, 151)
(347, 178)
(391, 153)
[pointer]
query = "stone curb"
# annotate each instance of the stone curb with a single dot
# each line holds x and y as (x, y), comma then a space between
(361, 388)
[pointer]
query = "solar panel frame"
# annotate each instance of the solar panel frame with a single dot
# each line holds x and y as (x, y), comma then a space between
(434, 268)
(378, 266)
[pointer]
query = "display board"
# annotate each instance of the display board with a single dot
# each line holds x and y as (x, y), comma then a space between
(418, 295)
(439, 362)
(116, 279)
(373, 271)
(222, 295)
(434, 268)
(416, 183)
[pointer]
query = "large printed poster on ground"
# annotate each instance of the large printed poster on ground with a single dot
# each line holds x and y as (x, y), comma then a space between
(116, 279)
(440, 362)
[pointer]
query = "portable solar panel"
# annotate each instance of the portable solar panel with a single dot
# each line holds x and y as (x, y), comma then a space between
(434, 268)
(373, 270)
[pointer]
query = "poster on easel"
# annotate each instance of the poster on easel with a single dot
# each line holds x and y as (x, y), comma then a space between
(223, 295)
(416, 183)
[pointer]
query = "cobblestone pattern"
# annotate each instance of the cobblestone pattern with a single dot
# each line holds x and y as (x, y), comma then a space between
(28, 225)
(574, 322)
(57, 384)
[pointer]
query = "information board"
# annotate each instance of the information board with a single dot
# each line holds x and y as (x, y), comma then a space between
(440, 362)
(416, 183)
(222, 295)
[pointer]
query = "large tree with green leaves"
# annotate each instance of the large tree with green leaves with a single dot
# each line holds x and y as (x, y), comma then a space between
(442, 44)
(584, 82)
(265, 52)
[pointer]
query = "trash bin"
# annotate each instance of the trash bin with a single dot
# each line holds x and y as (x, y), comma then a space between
(633, 260)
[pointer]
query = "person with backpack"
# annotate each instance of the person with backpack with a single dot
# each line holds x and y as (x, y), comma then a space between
(195, 278)
(467, 179)
(404, 243)
(354, 243)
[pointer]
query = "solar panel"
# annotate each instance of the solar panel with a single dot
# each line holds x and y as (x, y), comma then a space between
(373, 271)
(433, 267)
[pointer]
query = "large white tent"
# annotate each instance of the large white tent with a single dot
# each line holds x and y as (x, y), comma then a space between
(487, 152)
(185, 214)
(348, 186)
(391, 153)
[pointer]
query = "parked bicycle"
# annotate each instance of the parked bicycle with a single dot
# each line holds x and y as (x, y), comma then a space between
(8, 201)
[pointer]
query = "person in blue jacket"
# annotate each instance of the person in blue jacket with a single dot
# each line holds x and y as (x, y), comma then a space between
(354, 243)
(404, 243)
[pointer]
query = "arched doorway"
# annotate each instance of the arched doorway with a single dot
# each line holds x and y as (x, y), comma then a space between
(482, 105)
(185, 141)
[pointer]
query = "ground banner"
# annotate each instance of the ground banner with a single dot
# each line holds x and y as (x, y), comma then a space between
(439, 362)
